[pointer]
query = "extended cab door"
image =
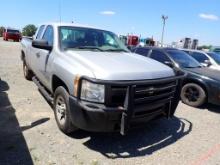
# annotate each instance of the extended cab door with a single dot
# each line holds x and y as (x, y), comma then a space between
(33, 52)
(43, 56)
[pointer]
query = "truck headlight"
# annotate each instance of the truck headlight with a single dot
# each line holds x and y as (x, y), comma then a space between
(92, 92)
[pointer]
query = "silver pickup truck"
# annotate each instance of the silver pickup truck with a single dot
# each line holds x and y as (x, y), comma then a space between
(94, 82)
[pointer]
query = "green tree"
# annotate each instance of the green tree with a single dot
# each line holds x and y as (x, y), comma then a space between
(1, 31)
(29, 30)
(204, 47)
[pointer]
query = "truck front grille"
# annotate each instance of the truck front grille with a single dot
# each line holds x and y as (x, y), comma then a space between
(148, 98)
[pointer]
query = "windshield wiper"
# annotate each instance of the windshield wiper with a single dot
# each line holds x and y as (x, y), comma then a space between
(87, 47)
(116, 50)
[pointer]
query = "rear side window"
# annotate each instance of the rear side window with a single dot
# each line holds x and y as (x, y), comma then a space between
(12, 31)
(142, 51)
(40, 31)
(199, 57)
(48, 35)
(159, 56)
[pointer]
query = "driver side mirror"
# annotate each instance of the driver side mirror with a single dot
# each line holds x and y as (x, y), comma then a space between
(41, 44)
(208, 63)
(169, 63)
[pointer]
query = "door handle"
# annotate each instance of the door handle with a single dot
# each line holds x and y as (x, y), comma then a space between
(38, 55)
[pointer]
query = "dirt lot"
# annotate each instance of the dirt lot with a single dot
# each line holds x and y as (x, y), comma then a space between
(29, 135)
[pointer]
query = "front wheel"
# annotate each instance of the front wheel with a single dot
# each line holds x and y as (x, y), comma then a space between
(28, 74)
(62, 111)
(193, 94)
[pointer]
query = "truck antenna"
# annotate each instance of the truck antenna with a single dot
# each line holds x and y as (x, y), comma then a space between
(60, 11)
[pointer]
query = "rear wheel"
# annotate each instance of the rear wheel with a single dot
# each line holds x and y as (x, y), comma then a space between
(28, 74)
(193, 94)
(62, 111)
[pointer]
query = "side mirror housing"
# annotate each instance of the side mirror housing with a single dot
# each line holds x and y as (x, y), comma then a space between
(208, 63)
(41, 44)
(169, 63)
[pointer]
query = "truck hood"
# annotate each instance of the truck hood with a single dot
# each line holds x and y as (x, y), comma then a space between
(120, 66)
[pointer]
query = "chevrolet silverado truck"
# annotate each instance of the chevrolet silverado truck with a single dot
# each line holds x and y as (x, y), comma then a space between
(94, 82)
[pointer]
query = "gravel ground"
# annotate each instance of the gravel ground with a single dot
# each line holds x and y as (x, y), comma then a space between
(29, 135)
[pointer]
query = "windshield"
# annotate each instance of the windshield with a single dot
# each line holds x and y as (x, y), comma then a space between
(215, 56)
(12, 31)
(183, 59)
(89, 39)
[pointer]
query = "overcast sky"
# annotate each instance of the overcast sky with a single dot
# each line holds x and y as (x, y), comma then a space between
(188, 18)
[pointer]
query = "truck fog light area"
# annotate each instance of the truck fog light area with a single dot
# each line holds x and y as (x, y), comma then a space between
(92, 92)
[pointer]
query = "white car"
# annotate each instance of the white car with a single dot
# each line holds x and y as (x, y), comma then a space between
(207, 59)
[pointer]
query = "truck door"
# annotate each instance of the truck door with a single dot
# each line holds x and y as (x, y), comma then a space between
(43, 57)
(34, 51)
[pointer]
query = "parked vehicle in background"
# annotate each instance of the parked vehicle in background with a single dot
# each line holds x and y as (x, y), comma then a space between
(202, 84)
(124, 39)
(95, 82)
(11, 34)
(215, 56)
(211, 60)
(215, 49)
(186, 43)
(195, 44)
(132, 41)
(147, 42)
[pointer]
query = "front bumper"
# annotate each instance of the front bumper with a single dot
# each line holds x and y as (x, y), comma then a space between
(100, 118)
(94, 117)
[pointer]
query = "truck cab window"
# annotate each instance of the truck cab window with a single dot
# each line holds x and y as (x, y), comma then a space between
(159, 56)
(39, 34)
(48, 35)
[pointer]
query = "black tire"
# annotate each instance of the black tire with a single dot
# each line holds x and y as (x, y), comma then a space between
(61, 97)
(28, 74)
(193, 94)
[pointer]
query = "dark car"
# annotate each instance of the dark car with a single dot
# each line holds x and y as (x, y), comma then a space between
(202, 84)
(11, 34)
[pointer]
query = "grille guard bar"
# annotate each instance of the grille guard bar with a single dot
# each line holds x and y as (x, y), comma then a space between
(129, 99)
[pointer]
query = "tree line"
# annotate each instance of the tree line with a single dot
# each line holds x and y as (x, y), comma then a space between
(28, 30)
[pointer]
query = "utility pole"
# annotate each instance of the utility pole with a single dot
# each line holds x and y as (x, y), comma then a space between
(60, 12)
(164, 18)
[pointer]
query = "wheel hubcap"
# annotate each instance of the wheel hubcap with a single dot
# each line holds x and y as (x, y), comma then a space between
(192, 94)
(61, 110)
(25, 70)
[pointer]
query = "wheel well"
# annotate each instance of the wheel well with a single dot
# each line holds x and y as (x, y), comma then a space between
(22, 55)
(56, 82)
(198, 83)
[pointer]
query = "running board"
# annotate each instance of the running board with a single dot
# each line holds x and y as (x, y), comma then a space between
(43, 91)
